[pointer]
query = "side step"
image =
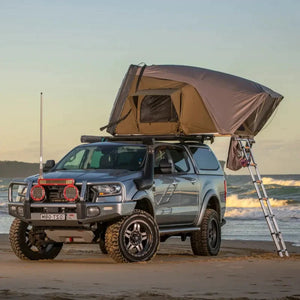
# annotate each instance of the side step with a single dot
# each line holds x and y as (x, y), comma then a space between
(177, 230)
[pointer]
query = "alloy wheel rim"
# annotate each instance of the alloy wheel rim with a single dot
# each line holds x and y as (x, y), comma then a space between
(137, 238)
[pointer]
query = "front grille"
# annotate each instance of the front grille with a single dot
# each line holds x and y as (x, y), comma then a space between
(55, 194)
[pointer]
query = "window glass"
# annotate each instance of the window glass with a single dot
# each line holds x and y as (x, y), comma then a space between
(160, 154)
(75, 159)
(204, 158)
(158, 108)
(180, 159)
(104, 157)
(95, 159)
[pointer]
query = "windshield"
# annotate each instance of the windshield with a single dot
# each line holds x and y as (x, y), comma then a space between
(104, 157)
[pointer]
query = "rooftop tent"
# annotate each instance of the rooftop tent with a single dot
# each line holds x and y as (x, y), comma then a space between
(171, 99)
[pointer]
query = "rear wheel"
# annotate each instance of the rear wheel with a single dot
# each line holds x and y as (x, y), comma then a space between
(207, 241)
(133, 238)
(31, 243)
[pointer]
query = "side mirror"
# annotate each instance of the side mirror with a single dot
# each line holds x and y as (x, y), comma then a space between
(48, 165)
(165, 166)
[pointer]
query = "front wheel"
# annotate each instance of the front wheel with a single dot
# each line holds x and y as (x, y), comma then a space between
(133, 238)
(102, 245)
(207, 240)
(31, 243)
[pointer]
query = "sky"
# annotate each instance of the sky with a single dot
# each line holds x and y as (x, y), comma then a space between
(77, 53)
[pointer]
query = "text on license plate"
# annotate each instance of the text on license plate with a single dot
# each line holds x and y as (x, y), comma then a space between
(53, 217)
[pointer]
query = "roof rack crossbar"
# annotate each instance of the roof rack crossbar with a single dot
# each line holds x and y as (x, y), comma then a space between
(148, 139)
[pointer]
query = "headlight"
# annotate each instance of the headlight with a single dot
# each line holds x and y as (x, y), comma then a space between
(108, 189)
(22, 190)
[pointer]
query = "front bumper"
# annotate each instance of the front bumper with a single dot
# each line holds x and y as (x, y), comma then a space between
(66, 214)
(76, 214)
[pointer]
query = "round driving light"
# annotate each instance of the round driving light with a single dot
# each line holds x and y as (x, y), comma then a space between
(37, 193)
(92, 211)
(71, 192)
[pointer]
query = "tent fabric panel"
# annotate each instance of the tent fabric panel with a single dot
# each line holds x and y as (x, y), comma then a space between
(120, 100)
(224, 95)
(150, 83)
(155, 92)
(194, 115)
(234, 102)
(231, 114)
(260, 116)
(158, 128)
(129, 125)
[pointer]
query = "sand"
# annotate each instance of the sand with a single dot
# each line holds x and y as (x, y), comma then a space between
(242, 270)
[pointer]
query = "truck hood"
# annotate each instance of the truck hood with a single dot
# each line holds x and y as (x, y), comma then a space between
(90, 175)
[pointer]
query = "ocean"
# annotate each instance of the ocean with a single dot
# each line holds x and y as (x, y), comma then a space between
(244, 216)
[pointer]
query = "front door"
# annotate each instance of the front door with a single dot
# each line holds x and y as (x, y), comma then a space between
(175, 192)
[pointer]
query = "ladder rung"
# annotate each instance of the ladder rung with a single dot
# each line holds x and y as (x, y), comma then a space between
(276, 233)
(270, 216)
(263, 199)
(253, 165)
(257, 181)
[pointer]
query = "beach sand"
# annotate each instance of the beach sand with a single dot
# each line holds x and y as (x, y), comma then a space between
(242, 270)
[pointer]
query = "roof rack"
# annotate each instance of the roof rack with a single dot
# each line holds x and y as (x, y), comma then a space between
(148, 139)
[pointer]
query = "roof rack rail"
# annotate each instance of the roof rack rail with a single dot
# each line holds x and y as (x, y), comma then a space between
(148, 139)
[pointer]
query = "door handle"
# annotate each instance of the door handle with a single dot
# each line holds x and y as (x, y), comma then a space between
(193, 181)
(175, 183)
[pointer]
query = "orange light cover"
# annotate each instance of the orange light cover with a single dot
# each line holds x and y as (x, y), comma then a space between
(56, 181)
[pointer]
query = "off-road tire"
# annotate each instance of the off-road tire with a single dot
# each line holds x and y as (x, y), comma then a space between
(207, 241)
(133, 238)
(102, 245)
(24, 248)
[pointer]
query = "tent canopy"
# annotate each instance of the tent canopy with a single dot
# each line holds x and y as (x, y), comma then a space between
(171, 99)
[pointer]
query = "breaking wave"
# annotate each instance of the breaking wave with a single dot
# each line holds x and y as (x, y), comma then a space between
(250, 209)
(272, 181)
(286, 213)
(235, 201)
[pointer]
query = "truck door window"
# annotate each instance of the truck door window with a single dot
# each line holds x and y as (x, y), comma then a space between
(160, 154)
(75, 160)
(204, 158)
(180, 160)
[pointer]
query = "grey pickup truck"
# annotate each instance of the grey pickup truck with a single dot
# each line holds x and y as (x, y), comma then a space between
(126, 193)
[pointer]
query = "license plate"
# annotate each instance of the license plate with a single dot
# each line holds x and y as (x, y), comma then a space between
(53, 217)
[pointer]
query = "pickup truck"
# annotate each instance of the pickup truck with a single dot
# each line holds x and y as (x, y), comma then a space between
(127, 194)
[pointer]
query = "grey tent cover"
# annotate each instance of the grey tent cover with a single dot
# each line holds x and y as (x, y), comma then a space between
(172, 99)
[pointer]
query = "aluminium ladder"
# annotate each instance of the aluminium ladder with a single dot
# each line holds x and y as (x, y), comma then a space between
(248, 161)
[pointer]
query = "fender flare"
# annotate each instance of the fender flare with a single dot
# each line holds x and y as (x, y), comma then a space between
(209, 195)
(141, 195)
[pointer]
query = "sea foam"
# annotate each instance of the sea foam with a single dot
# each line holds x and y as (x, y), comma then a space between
(235, 201)
(272, 181)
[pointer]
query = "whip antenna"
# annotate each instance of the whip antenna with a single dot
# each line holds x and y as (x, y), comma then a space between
(41, 135)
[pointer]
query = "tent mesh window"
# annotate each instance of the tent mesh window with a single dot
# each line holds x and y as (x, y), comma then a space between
(157, 108)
